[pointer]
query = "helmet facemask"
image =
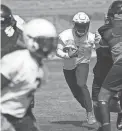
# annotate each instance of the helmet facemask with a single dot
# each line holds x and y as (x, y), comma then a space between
(41, 47)
(5, 22)
(81, 28)
(40, 37)
(6, 17)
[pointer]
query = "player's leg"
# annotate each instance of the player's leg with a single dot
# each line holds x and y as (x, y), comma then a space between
(70, 78)
(111, 85)
(27, 123)
(119, 118)
(104, 98)
(27, 120)
(82, 71)
(6, 125)
(96, 86)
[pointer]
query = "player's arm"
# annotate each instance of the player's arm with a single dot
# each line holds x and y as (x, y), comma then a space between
(19, 22)
(4, 81)
(7, 70)
(59, 52)
(19, 25)
(99, 41)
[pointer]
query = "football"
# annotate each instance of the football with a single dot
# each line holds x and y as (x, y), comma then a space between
(70, 45)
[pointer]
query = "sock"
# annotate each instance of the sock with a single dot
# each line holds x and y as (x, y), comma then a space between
(105, 115)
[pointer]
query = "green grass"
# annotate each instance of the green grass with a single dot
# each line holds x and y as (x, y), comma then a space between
(55, 107)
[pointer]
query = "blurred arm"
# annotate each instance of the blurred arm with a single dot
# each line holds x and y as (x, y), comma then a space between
(19, 22)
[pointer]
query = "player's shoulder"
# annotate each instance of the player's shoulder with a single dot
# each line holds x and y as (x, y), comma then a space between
(16, 56)
(66, 33)
(19, 21)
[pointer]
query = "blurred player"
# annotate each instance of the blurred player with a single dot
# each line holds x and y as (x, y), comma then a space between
(22, 73)
(75, 47)
(102, 67)
(112, 37)
(11, 33)
(11, 30)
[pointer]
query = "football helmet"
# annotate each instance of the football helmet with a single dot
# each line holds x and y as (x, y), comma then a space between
(115, 10)
(81, 23)
(6, 17)
(40, 37)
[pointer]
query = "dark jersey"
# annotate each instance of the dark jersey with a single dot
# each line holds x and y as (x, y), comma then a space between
(103, 64)
(11, 43)
(113, 38)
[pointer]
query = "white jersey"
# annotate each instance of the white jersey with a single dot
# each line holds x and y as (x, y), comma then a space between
(85, 44)
(25, 75)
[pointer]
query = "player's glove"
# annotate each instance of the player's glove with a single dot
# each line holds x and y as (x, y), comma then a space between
(71, 49)
(73, 52)
(9, 31)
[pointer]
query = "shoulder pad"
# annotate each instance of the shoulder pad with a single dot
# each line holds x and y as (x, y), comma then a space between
(103, 28)
(66, 35)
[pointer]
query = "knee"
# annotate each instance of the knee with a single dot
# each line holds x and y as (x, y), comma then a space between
(105, 95)
(81, 84)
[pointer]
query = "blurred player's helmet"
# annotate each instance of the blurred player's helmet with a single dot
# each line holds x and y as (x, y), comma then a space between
(115, 10)
(5, 16)
(40, 37)
(81, 23)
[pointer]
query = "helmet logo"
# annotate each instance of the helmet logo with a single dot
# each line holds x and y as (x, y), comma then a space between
(81, 17)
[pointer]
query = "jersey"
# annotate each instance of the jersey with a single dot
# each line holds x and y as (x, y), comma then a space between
(103, 64)
(113, 38)
(85, 45)
(25, 77)
(11, 37)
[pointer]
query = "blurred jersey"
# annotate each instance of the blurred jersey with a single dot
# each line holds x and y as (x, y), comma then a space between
(103, 64)
(11, 36)
(85, 45)
(25, 76)
(113, 38)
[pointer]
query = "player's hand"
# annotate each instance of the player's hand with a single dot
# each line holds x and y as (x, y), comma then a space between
(73, 53)
(9, 31)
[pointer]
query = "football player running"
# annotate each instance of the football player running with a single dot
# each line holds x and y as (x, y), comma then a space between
(11, 30)
(22, 73)
(112, 36)
(75, 47)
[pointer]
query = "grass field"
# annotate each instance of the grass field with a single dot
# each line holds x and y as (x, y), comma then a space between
(56, 109)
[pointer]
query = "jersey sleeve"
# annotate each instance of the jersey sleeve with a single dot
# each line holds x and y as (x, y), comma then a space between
(19, 22)
(60, 44)
(9, 65)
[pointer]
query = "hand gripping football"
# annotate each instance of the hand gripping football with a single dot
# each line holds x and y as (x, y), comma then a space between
(70, 45)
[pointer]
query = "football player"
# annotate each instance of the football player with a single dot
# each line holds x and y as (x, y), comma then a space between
(112, 37)
(102, 67)
(75, 47)
(22, 73)
(11, 30)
